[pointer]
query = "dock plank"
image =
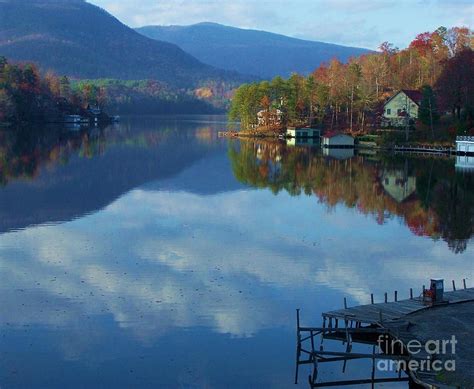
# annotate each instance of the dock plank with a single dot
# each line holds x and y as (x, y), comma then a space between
(394, 310)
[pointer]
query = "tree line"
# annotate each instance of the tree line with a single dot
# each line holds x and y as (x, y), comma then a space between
(145, 97)
(350, 96)
(28, 96)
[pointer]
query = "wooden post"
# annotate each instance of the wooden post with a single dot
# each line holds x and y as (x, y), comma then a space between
(345, 303)
(386, 297)
(396, 295)
(411, 293)
(371, 298)
(298, 319)
(454, 285)
(464, 283)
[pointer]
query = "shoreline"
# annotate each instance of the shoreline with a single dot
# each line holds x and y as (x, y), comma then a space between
(413, 147)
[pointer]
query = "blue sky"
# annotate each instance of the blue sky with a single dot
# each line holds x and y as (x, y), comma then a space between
(363, 23)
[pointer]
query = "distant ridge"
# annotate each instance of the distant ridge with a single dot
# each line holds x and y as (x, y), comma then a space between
(81, 40)
(253, 52)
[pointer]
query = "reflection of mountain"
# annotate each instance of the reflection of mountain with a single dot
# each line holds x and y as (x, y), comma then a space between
(81, 173)
(427, 195)
(216, 179)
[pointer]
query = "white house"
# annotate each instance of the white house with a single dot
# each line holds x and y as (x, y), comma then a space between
(302, 132)
(339, 140)
(270, 117)
(402, 107)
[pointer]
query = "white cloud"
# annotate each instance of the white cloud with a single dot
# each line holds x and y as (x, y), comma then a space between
(229, 262)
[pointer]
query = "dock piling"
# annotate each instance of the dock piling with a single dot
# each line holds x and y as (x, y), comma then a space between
(411, 293)
(454, 285)
(386, 297)
(345, 303)
(396, 295)
(371, 298)
(464, 283)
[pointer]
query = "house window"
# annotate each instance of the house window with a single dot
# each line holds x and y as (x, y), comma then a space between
(389, 111)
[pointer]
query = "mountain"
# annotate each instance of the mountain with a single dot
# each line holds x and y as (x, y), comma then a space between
(78, 39)
(250, 51)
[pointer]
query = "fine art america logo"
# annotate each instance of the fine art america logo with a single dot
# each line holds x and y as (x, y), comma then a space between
(430, 355)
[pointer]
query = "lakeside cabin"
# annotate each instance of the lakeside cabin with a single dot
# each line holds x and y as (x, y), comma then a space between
(269, 117)
(337, 140)
(302, 132)
(402, 108)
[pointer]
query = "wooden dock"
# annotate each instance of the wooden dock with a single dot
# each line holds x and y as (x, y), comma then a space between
(404, 321)
(417, 149)
(383, 313)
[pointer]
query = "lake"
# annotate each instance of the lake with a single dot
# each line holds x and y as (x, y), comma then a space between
(154, 254)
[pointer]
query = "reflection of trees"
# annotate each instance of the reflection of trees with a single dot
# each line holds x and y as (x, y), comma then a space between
(433, 201)
(25, 150)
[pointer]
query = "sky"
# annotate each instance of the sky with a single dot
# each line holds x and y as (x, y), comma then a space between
(360, 23)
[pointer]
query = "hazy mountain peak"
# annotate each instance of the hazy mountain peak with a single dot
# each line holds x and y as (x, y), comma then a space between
(250, 51)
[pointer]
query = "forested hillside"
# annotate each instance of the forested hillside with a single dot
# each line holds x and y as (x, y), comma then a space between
(80, 40)
(254, 52)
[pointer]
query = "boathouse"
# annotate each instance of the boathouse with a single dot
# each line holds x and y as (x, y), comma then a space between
(302, 141)
(302, 132)
(465, 145)
(337, 140)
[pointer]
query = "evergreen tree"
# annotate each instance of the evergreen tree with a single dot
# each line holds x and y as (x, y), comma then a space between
(428, 112)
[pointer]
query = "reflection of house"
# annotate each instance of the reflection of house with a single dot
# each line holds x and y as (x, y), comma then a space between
(94, 110)
(398, 185)
(270, 117)
(465, 144)
(338, 153)
(72, 119)
(302, 132)
(465, 162)
(402, 107)
(335, 139)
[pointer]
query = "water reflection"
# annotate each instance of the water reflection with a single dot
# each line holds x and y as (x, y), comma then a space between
(50, 175)
(144, 262)
(429, 195)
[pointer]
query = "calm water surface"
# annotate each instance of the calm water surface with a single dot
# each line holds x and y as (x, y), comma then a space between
(154, 254)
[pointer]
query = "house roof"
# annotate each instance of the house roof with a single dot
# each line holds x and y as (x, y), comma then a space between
(332, 134)
(413, 95)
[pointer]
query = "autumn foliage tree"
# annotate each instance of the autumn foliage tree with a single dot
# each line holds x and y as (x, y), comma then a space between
(27, 96)
(349, 96)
